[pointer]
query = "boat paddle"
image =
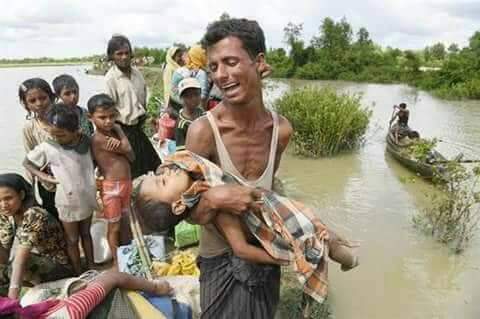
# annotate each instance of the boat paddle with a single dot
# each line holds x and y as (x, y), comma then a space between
(460, 161)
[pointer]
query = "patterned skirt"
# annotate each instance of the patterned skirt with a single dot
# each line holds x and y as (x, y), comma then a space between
(233, 288)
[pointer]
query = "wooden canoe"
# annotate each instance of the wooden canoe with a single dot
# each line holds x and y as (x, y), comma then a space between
(421, 168)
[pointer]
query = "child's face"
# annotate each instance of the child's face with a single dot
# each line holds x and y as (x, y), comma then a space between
(62, 136)
(191, 98)
(122, 57)
(104, 118)
(168, 186)
(10, 201)
(70, 96)
(37, 101)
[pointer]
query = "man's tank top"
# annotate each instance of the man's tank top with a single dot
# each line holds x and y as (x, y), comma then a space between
(212, 242)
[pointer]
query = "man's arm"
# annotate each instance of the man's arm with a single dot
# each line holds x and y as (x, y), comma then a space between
(285, 132)
(231, 228)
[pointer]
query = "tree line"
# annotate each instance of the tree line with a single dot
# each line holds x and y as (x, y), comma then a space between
(337, 53)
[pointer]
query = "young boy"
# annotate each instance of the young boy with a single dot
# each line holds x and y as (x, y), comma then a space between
(288, 231)
(189, 90)
(113, 155)
(67, 90)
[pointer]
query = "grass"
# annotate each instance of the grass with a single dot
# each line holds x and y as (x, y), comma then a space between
(324, 121)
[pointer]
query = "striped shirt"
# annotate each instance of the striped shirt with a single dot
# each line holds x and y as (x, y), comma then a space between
(182, 125)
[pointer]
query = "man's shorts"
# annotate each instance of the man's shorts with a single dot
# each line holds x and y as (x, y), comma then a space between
(116, 199)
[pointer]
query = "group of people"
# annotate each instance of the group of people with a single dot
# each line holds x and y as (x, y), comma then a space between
(222, 178)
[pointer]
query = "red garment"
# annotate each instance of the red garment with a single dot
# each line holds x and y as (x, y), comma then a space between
(166, 127)
(11, 306)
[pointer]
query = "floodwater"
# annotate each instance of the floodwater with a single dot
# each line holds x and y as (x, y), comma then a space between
(362, 195)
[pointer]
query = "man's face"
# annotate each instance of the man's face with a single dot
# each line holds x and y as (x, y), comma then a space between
(122, 57)
(234, 71)
(69, 96)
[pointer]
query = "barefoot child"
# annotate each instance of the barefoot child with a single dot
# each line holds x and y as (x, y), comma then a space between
(68, 154)
(189, 91)
(113, 155)
(67, 90)
(288, 231)
(36, 96)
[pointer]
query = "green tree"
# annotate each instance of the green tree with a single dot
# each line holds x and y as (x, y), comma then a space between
(453, 48)
(438, 51)
(474, 42)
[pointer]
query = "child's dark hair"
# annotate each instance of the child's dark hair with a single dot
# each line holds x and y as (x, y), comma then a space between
(117, 42)
(34, 83)
(97, 101)
(156, 215)
(61, 116)
(19, 184)
(402, 105)
(247, 31)
(64, 81)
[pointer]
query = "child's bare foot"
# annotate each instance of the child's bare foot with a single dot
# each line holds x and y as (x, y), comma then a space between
(350, 267)
(162, 287)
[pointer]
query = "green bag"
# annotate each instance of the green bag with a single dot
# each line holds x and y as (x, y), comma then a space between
(186, 234)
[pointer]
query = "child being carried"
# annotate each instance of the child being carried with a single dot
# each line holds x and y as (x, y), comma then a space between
(289, 232)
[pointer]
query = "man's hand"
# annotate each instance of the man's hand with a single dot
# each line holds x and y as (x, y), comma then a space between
(112, 143)
(234, 199)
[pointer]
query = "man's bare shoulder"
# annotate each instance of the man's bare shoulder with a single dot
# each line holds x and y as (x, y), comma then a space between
(285, 129)
(200, 137)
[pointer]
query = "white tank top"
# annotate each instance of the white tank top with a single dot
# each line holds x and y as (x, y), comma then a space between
(212, 242)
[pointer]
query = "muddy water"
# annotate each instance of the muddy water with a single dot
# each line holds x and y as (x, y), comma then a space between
(403, 274)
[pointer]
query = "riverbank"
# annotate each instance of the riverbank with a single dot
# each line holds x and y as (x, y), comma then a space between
(41, 64)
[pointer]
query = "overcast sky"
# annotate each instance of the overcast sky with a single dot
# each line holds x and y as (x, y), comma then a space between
(81, 27)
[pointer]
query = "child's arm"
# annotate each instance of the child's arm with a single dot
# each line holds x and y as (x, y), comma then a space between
(34, 170)
(124, 147)
(231, 228)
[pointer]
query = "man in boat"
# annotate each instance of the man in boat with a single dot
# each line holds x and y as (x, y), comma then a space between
(400, 129)
(245, 139)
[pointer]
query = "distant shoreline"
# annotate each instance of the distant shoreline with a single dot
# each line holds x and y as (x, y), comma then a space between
(39, 64)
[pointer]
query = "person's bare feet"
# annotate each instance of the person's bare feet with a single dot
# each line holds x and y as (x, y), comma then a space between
(162, 287)
(350, 267)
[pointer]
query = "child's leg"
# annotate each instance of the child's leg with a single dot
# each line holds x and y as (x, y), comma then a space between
(340, 253)
(113, 238)
(87, 241)
(72, 230)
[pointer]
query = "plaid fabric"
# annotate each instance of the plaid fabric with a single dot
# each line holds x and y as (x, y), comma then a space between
(286, 229)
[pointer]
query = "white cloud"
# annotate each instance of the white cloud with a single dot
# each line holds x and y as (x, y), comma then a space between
(82, 27)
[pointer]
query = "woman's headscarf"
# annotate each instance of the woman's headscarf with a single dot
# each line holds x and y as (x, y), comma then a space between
(169, 60)
(170, 66)
(18, 183)
(197, 58)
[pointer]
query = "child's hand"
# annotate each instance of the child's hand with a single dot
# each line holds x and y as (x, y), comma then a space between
(162, 288)
(112, 143)
(49, 179)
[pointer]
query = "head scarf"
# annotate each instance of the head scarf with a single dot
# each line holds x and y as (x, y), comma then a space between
(17, 183)
(169, 58)
(197, 58)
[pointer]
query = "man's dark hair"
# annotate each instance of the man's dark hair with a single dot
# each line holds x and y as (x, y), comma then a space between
(157, 216)
(402, 105)
(64, 81)
(62, 116)
(117, 42)
(102, 101)
(247, 31)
